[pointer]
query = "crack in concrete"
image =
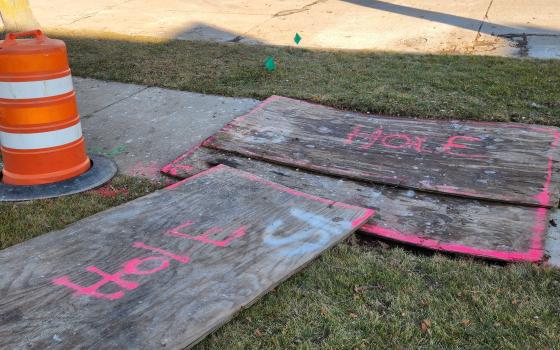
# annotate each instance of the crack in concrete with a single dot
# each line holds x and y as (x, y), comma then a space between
(114, 103)
(244, 35)
(91, 14)
(517, 40)
(484, 19)
(302, 9)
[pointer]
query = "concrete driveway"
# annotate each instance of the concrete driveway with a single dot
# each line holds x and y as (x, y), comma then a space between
(495, 27)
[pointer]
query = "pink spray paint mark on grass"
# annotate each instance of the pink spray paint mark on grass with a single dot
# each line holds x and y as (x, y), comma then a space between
(173, 169)
(110, 191)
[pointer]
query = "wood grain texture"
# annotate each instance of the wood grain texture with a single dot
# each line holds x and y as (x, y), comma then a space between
(17, 16)
(508, 162)
(461, 225)
(164, 270)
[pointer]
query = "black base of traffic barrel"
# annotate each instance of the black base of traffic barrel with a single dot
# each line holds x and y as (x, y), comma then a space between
(102, 170)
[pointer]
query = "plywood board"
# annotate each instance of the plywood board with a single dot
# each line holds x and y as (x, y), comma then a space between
(508, 162)
(453, 224)
(164, 270)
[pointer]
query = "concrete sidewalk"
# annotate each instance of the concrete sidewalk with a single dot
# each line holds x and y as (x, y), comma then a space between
(495, 27)
(144, 128)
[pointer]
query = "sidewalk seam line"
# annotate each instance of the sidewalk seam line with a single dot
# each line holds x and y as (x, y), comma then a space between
(484, 19)
(114, 103)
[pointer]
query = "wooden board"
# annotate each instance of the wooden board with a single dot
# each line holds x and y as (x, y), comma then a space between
(447, 223)
(514, 163)
(164, 270)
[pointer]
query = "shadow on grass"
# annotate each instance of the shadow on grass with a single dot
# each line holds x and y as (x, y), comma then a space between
(426, 86)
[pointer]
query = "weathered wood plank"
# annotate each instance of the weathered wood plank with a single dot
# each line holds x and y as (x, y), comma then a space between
(514, 163)
(16, 16)
(448, 223)
(164, 270)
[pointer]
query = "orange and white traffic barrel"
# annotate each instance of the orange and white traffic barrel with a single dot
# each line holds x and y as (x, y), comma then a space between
(40, 132)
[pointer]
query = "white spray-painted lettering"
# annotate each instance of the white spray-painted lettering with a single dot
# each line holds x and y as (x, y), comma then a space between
(311, 239)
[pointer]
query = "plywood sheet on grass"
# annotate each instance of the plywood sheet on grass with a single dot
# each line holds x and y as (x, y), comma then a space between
(164, 270)
(508, 162)
(454, 224)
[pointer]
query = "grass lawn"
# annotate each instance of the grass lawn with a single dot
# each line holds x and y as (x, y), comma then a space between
(465, 87)
(25, 220)
(363, 293)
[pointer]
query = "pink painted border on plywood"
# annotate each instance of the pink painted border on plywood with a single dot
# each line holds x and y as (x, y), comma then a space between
(171, 168)
(541, 199)
(533, 254)
(221, 167)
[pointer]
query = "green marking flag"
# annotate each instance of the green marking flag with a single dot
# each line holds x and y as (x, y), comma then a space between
(269, 64)
(297, 38)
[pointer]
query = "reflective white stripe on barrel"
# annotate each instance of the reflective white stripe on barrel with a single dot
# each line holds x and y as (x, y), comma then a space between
(41, 139)
(35, 89)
